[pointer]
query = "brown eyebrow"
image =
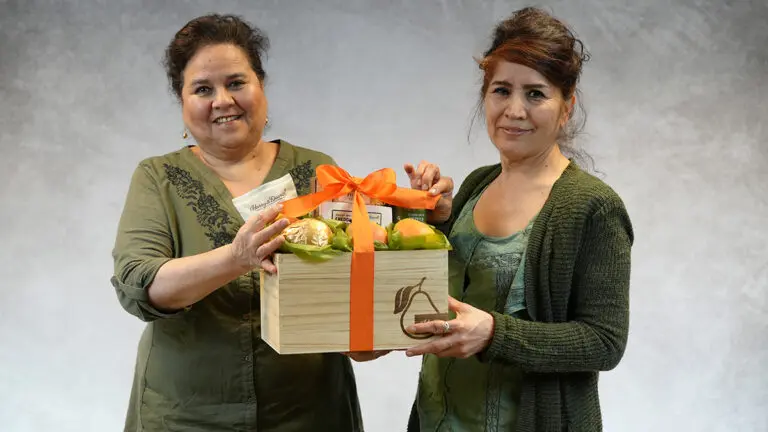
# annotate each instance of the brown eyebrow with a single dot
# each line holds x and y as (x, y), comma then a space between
(206, 81)
(527, 86)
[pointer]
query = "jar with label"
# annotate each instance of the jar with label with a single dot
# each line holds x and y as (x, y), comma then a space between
(400, 213)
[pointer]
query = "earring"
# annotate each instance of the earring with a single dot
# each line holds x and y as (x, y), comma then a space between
(266, 123)
(185, 135)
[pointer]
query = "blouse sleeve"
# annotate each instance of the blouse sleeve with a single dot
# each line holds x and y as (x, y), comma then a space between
(143, 244)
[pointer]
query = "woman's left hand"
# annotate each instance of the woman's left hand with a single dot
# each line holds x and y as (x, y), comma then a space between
(467, 335)
(427, 177)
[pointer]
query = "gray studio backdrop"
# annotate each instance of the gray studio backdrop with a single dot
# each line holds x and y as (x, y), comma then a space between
(676, 94)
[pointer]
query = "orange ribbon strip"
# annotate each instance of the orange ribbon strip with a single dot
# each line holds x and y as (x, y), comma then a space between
(381, 185)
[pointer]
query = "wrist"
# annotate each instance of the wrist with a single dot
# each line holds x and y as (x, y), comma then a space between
(484, 355)
(436, 218)
(491, 322)
(233, 260)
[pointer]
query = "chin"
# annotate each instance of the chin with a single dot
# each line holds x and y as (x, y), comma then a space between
(230, 142)
(515, 150)
(511, 145)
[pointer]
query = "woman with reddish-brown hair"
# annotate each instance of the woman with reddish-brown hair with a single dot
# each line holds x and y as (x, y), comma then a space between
(539, 274)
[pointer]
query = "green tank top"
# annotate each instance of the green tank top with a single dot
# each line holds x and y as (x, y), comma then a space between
(467, 394)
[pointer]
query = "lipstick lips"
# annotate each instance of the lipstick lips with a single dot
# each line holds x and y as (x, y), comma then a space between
(226, 119)
(515, 131)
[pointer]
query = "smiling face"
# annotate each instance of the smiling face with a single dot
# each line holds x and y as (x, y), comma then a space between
(524, 112)
(223, 102)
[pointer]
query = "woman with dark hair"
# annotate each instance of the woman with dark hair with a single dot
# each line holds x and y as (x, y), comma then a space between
(540, 271)
(191, 241)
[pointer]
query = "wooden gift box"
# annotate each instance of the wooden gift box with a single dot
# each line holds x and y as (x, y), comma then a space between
(305, 306)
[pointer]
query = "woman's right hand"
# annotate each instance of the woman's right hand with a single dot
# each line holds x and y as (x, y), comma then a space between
(427, 177)
(255, 242)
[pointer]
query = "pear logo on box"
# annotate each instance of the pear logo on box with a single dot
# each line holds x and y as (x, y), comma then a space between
(404, 299)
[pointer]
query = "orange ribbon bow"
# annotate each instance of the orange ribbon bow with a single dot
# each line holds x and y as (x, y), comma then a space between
(381, 185)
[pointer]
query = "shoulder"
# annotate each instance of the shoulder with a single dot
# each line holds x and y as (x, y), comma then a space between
(163, 165)
(478, 177)
(471, 184)
(582, 199)
(301, 162)
(302, 155)
(580, 189)
(485, 172)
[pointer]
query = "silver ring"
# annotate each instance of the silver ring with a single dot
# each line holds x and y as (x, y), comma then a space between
(446, 327)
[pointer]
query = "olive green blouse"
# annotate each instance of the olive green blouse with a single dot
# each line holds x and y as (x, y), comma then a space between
(206, 368)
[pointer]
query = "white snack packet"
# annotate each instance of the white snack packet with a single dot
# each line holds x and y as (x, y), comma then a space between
(265, 196)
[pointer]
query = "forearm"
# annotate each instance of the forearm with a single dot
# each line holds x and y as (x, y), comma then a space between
(556, 347)
(184, 281)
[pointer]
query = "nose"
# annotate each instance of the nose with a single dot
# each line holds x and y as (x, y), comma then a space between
(515, 108)
(222, 99)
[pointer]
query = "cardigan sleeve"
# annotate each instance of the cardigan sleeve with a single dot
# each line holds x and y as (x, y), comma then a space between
(144, 243)
(596, 336)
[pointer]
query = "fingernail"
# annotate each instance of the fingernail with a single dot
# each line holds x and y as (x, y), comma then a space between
(433, 191)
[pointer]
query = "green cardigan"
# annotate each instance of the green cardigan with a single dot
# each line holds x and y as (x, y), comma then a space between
(577, 274)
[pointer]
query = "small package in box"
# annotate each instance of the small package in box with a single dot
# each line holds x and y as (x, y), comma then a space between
(349, 285)
(342, 211)
(400, 213)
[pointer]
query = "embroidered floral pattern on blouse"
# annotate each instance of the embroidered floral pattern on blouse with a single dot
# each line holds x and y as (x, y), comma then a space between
(302, 175)
(216, 221)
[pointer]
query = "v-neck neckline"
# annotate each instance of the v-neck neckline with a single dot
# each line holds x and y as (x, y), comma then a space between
(278, 169)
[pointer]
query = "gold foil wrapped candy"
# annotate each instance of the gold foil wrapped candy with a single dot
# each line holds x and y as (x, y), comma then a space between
(311, 232)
